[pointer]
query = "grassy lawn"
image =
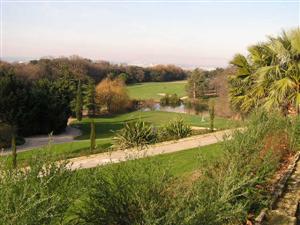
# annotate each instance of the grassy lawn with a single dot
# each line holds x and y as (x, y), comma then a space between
(105, 126)
(186, 161)
(64, 150)
(150, 90)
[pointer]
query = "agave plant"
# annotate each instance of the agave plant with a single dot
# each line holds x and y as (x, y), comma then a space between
(137, 134)
(269, 76)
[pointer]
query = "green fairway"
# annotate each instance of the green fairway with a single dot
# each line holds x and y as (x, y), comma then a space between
(151, 90)
(106, 126)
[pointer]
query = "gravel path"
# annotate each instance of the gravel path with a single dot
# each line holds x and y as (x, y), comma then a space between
(42, 140)
(161, 148)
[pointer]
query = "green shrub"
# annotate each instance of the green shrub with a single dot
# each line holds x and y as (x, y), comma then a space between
(170, 100)
(39, 195)
(137, 192)
(176, 129)
(135, 135)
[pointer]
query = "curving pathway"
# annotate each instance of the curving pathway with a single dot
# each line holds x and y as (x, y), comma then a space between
(161, 148)
(42, 140)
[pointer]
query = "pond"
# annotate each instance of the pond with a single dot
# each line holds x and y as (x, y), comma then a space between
(177, 109)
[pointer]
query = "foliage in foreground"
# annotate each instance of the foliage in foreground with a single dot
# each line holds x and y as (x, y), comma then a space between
(144, 192)
(135, 193)
(39, 195)
(236, 184)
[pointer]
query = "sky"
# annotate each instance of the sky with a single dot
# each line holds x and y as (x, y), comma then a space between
(185, 33)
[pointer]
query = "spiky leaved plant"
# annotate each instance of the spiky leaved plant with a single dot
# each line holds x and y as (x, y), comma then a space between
(177, 129)
(135, 135)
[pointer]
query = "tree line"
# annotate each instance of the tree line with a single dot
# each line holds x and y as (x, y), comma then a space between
(97, 70)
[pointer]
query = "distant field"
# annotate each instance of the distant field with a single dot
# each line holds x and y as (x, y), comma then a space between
(151, 90)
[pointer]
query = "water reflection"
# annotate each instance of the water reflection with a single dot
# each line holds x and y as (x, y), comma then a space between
(178, 109)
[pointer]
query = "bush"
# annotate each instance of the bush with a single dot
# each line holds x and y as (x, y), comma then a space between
(137, 192)
(170, 100)
(39, 195)
(176, 129)
(135, 135)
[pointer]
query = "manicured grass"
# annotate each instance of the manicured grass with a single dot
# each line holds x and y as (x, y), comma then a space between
(106, 126)
(151, 90)
(187, 161)
(64, 150)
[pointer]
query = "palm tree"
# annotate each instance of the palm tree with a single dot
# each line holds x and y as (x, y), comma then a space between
(269, 76)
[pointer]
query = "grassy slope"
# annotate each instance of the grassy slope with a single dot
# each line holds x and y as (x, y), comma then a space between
(187, 161)
(150, 90)
(182, 163)
(106, 125)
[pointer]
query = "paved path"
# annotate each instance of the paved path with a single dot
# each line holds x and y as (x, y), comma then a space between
(161, 148)
(42, 140)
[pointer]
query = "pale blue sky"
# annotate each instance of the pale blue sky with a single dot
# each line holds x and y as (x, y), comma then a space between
(187, 34)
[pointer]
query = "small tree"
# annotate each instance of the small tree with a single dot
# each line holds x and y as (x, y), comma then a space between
(197, 84)
(212, 115)
(113, 95)
(93, 136)
(79, 102)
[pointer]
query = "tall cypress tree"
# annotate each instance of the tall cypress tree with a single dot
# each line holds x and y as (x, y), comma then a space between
(79, 102)
(212, 115)
(90, 98)
(93, 136)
